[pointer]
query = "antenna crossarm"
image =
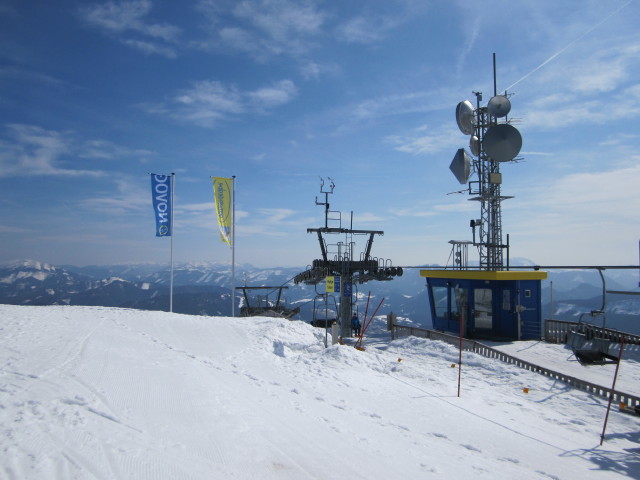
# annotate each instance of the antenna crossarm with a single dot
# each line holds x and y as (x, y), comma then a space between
(344, 230)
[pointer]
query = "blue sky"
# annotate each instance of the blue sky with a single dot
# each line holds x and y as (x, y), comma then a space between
(95, 95)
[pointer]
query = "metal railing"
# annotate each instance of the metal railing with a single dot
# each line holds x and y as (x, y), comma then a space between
(556, 331)
(479, 348)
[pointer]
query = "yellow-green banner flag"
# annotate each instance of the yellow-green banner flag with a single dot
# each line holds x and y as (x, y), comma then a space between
(222, 195)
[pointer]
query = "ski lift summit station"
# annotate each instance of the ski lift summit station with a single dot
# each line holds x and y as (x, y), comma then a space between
(491, 301)
(338, 267)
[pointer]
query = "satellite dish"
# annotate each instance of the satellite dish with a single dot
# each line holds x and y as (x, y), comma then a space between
(474, 145)
(499, 106)
(464, 117)
(502, 142)
(461, 166)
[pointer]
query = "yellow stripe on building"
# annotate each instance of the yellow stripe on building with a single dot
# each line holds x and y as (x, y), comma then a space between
(484, 274)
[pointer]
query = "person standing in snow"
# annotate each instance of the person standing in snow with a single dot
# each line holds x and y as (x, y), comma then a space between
(355, 323)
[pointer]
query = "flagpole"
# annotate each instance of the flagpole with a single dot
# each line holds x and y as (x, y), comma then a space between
(173, 182)
(233, 246)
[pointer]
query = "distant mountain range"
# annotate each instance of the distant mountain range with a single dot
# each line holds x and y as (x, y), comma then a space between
(205, 289)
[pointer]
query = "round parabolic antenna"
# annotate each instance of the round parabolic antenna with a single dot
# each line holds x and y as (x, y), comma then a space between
(499, 106)
(464, 117)
(474, 145)
(502, 142)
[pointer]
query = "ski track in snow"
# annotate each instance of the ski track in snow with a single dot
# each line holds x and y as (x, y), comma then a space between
(90, 392)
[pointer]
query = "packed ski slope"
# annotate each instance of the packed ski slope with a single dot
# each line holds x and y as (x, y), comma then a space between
(99, 393)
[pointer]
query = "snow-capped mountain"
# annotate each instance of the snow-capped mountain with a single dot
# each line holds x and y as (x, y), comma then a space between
(205, 288)
(37, 283)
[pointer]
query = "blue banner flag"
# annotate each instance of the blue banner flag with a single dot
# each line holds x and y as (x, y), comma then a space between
(162, 195)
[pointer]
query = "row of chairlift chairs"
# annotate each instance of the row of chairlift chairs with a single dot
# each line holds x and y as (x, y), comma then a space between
(363, 270)
(325, 308)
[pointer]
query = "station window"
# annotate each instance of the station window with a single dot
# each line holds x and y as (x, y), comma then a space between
(440, 301)
(459, 307)
(506, 300)
(483, 309)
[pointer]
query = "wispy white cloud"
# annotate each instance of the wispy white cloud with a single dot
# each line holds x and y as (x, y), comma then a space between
(199, 207)
(262, 28)
(276, 215)
(363, 30)
(593, 69)
(427, 140)
(106, 150)
(272, 96)
(572, 214)
(368, 218)
(396, 104)
(30, 75)
(33, 151)
(29, 150)
(596, 195)
(151, 48)
(125, 198)
(458, 205)
(369, 26)
(469, 43)
(208, 102)
(271, 222)
(620, 139)
(128, 20)
(598, 86)
(314, 70)
(280, 18)
(624, 104)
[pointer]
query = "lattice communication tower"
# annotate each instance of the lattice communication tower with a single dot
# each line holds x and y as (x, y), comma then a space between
(493, 140)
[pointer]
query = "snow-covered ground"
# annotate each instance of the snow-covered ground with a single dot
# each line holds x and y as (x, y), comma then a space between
(561, 359)
(88, 392)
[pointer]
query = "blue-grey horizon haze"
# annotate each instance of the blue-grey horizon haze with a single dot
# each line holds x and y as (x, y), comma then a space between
(96, 95)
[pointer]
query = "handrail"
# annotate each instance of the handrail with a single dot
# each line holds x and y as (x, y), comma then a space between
(556, 331)
(481, 349)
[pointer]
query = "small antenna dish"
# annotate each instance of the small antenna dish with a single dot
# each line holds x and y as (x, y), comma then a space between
(502, 142)
(474, 145)
(499, 106)
(461, 166)
(464, 117)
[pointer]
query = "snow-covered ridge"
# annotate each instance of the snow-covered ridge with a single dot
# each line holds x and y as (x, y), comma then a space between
(28, 269)
(110, 280)
(39, 275)
(30, 264)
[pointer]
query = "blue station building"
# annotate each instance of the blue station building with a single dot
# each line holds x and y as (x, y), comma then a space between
(495, 305)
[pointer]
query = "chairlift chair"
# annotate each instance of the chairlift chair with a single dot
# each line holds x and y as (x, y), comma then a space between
(324, 311)
(598, 354)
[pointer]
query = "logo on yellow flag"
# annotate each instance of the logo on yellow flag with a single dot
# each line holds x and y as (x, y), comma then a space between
(222, 195)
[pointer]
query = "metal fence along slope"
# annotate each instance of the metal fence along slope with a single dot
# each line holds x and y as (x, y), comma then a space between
(481, 349)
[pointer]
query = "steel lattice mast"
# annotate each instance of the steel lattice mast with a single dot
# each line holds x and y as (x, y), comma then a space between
(491, 143)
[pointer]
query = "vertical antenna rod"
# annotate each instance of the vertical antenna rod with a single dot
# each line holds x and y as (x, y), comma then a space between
(495, 86)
